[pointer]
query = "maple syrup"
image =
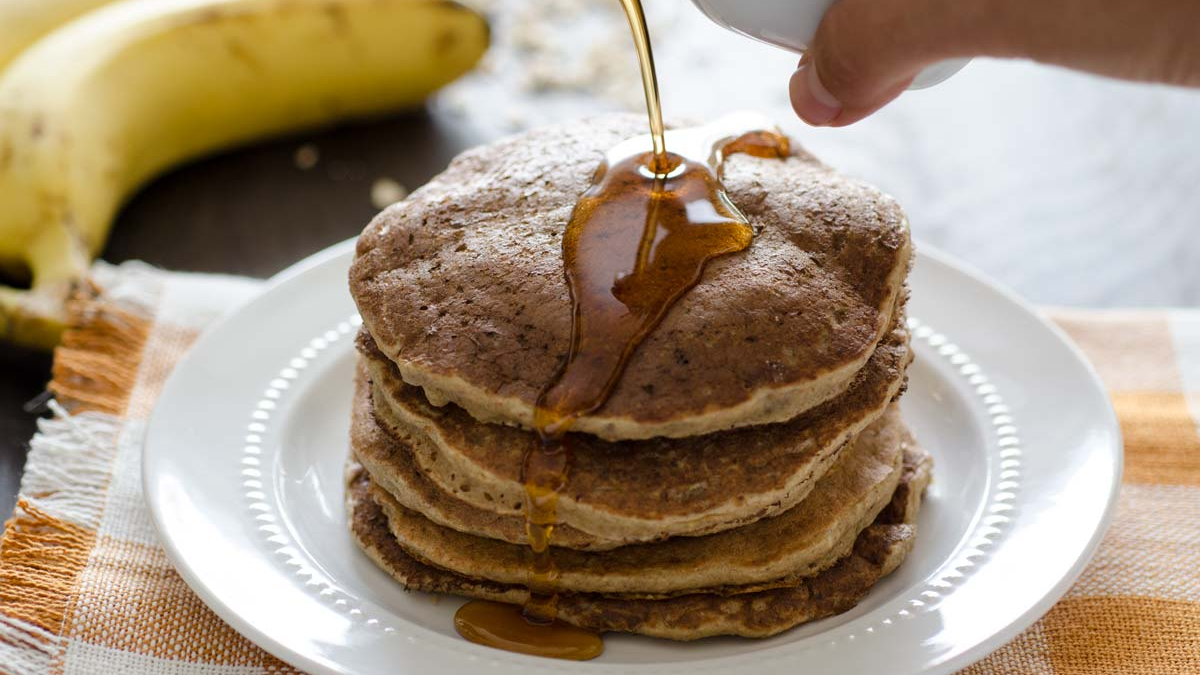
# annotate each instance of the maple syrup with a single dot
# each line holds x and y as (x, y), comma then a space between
(637, 240)
(501, 625)
(641, 41)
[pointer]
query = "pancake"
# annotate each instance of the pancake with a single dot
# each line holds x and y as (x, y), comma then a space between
(635, 491)
(461, 285)
(798, 543)
(398, 474)
(877, 551)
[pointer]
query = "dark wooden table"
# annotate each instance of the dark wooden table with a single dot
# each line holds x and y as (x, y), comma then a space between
(251, 211)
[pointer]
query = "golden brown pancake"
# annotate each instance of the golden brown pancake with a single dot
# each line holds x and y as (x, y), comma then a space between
(877, 550)
(461, 285)
(398, 473)
(635, 491)
(799, 542)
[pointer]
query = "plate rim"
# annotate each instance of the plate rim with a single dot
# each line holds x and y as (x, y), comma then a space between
(965, 657)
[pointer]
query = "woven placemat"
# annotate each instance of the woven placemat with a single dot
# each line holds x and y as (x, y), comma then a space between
(85, 587)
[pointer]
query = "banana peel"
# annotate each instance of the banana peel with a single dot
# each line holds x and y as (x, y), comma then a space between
(22, 22)
(101, 105)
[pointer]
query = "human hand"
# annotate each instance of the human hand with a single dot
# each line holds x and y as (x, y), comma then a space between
(866, 52)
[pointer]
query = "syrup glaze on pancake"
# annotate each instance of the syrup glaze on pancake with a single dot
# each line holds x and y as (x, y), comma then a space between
(623, 280)
(638, 491)
(797, 543)
(878, 550)
(807, 302)
(638, 240)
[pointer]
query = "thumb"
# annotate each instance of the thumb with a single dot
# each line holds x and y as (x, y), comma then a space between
(866, 53)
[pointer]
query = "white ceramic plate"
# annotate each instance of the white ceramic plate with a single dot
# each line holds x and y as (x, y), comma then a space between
(243, 474)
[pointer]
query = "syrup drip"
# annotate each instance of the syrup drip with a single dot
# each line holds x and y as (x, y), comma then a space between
(638, 239)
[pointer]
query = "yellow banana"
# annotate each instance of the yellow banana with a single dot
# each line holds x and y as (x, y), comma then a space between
(105, 102)
(24, 21)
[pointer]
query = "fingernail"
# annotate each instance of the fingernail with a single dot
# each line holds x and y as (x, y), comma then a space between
(810, 99)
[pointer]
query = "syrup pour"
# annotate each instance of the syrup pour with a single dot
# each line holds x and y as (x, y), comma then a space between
(638, 239)
(641, 41)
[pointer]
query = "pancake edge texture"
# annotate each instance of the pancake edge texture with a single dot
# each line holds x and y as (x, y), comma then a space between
(799, 542)
(877, 552)
(504, 494)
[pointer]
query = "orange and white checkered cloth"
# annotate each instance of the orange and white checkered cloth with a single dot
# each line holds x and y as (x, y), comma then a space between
(84, 587)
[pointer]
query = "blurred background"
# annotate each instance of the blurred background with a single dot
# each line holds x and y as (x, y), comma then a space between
(1070, 189)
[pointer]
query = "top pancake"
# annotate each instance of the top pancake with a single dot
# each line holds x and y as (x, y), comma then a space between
(462, 286)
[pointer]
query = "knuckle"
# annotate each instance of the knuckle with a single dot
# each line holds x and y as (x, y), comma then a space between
(842, 60)
(859, 52)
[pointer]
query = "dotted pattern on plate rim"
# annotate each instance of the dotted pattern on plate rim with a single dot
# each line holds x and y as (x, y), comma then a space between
(1003, 490)
(990, 529)
(254, 482)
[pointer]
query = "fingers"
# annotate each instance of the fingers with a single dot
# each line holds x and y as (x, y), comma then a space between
(866, 52)
(815, 104)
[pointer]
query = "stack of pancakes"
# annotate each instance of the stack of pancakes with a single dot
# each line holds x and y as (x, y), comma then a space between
(750, 471)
